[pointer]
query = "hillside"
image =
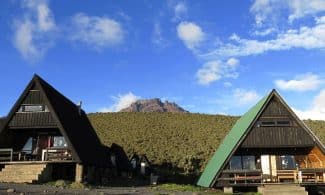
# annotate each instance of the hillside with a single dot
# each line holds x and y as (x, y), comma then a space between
(153, 105)
(182, 140)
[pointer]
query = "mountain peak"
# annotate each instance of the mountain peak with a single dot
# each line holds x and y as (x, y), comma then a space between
(153, 105)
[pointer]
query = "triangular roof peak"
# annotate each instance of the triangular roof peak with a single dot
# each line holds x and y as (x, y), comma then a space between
(72, 122)
(238, 133)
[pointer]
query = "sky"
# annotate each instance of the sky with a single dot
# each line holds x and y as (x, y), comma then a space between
(213, 57)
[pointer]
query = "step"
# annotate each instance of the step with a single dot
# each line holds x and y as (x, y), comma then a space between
(284, 190)
(22, 173)
(286, 193)
(25, 166)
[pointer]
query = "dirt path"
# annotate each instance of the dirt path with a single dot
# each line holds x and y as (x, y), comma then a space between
(25, 189)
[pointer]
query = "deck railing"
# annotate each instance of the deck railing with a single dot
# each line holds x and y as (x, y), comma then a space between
(6, 154)
(48, 154)
(247, 177)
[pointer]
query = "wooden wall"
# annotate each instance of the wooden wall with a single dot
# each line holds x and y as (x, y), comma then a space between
(293, 135)
(314, 159)
(33, 119)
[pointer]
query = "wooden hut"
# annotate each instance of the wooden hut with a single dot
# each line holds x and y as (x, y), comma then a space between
(268, 144)
(46, 136)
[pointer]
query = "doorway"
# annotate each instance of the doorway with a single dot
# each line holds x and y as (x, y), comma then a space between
(269, 168)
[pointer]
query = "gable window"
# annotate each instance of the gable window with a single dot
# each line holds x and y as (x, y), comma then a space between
(267, 123)
(278, 123)
(283, 123)
(33, 108)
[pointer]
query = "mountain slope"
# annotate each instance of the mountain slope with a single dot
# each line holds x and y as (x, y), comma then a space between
(183, 140)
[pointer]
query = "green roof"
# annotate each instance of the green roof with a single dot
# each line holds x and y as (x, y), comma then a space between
(229, 143)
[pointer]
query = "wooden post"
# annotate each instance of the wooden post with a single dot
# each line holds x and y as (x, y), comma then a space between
(79, 173)
(228, 190)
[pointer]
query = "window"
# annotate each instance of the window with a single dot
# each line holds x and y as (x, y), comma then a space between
(242, 162)
(235, 162)
(279, 123)
(59, 142)
(249, 162)
(267, 123)
(287, 162)
(283, 123)
(33, 108)
(28, 146)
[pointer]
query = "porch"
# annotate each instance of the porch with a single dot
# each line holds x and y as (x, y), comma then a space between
(32, 145)
(250, 167)
(8, 155)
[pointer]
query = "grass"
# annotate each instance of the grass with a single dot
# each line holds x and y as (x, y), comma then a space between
(170, 187)
(68, 184)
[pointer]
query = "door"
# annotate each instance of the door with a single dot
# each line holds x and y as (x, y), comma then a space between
(269, 168)
(266, 168)
(273, 167)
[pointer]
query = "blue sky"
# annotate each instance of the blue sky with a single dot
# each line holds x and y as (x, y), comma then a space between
(207, 56)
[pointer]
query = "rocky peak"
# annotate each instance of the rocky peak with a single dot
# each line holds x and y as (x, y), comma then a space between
(153, 105)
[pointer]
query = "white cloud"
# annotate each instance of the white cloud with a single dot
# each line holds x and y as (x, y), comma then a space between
(244, 97)
(232, 62)
(263, 10)
(270, 10)
(305, 37)
(190, 33)
(305, 82)
(265, 32)
(97, 32)
(317, 110)
(33, 32)
(215, 70)
(180, 9)
(120, 102)
(301, 8)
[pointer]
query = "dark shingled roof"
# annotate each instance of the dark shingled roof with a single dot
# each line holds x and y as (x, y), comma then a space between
(73, 124)
(2, 121)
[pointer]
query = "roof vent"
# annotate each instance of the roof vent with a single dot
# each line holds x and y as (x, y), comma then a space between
(79, 107)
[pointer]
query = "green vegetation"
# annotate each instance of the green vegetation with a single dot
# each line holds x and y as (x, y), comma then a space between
(170, 188)
(184, 141)
(179, 188)
(67, 184)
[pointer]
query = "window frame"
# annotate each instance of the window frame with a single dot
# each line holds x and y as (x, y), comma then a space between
(22, 108)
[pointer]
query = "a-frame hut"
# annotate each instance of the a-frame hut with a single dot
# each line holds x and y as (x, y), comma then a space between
(268, 144)
(46, 136)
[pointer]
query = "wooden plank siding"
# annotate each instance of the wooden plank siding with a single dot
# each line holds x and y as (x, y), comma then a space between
(292, 135)
(32, 120)
(277, 137)
(34, 97)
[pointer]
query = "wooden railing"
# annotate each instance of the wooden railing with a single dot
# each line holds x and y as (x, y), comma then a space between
(242, 176)
(56, 154)
(6, 154)
(48, 154)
